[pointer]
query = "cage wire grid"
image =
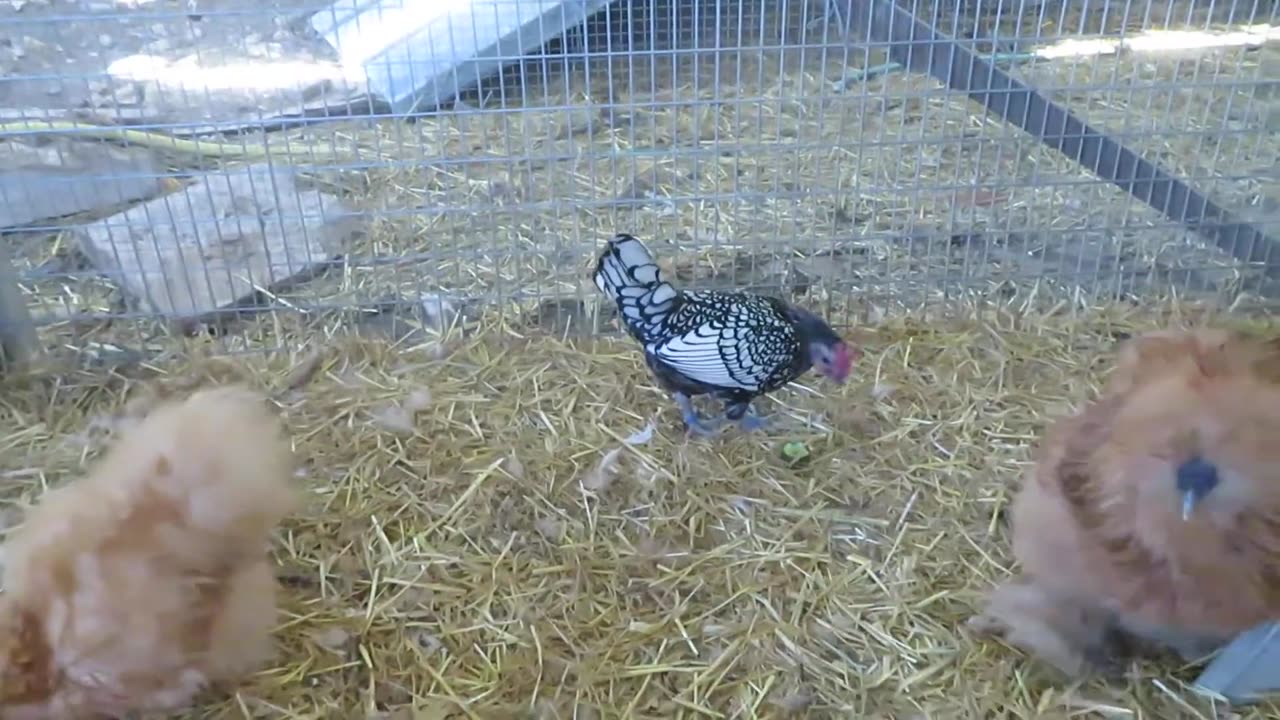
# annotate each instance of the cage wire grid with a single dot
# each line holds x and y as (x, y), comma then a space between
(755, 145)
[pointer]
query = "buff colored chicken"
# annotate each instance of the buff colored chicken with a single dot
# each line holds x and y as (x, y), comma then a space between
(1154, 514)
(147, 581)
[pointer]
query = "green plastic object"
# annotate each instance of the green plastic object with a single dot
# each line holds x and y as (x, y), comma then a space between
(795, 452)
(1248, 668)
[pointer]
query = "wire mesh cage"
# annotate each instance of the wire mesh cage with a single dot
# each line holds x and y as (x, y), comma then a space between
(309, 196)
(194, 165)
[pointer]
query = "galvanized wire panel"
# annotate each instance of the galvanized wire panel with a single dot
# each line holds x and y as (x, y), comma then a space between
(753, 145)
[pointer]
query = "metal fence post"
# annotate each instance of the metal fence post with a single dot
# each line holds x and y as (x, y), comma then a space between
(18, 340)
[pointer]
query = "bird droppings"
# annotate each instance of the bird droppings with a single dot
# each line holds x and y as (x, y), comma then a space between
(602, 475)
(550, 528)
(417, 401)
(305, 369)
(334, 639)
(643, 435)
(514, 468)
(473, 575)
(881, 391)
(438, 312)
(401, 417)
(793, 705)
(395, 418)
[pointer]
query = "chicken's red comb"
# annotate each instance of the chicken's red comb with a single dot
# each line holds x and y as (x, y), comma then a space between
(843, 359)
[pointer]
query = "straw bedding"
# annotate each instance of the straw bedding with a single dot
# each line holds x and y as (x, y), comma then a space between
(491, 535)
(482, 541)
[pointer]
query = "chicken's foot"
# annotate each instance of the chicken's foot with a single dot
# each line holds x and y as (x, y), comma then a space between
(747, 418)
(694, 424)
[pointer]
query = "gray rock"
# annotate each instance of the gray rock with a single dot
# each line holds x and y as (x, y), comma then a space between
(66, 177)
(213, 245)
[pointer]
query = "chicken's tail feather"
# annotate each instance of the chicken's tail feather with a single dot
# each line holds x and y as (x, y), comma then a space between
(627, 274)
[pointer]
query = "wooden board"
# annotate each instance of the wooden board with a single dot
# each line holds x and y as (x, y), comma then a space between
(418, 54)
(214, 244)
(42, 182)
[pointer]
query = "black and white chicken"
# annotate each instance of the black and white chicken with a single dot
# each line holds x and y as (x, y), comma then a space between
(733, 346)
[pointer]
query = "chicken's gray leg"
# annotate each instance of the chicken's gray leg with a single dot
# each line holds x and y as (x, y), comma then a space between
(747, 419)
(695, 424)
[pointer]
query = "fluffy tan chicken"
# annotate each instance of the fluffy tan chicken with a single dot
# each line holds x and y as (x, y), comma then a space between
(141, 584)
(1154, 513)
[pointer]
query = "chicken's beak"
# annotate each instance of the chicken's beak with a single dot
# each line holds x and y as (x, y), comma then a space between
(1196, 478)
(1188, 504)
